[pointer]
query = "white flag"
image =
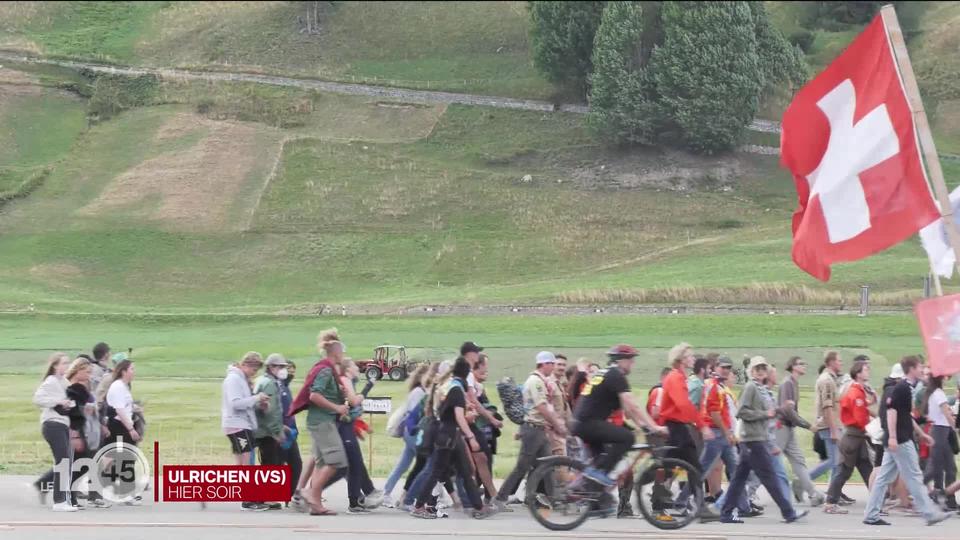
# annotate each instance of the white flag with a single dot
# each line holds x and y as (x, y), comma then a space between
(935, 241)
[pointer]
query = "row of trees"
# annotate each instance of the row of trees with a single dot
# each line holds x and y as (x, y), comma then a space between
(681, 73)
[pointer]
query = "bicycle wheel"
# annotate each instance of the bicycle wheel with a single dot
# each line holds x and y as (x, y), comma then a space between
(670, 493)
(564, 503)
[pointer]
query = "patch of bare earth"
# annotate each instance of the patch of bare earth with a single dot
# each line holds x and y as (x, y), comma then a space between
(188, 190)
(17, 83)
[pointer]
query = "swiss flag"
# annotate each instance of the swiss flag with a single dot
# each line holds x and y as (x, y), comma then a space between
(940, 326)
(849, 140)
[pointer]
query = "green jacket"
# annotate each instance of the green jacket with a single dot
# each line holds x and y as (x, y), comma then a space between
(753, 412)
(269, 421)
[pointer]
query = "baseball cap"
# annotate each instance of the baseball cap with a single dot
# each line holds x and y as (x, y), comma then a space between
(724, 361)
(468, 347)
(757, 361)
(896, 372)
(119, 357)
(276, 359)
(621, 351)
(546, 357)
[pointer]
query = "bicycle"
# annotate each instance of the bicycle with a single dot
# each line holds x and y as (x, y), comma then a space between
(662, 486)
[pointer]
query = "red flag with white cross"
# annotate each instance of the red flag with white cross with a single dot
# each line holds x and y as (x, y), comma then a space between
(939, 320)
(850, 141)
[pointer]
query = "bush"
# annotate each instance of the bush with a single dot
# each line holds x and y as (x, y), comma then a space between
(802, 39)
(115, 93)
(708, 73)
(562, 35)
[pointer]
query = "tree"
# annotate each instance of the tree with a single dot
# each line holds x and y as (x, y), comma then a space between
(562, 35)
(780, 61)
(620, 107)
(708, 74)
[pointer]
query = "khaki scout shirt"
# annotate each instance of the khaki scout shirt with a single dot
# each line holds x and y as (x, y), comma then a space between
(826, 396)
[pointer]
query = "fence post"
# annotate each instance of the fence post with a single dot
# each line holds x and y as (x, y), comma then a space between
(926, 286)
(864, 299)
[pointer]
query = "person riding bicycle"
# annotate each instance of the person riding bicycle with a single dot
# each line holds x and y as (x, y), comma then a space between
(605, 392)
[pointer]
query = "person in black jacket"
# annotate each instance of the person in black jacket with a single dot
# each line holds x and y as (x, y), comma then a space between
(83, 411)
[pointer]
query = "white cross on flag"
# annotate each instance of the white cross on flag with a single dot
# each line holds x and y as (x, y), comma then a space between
(849, 140)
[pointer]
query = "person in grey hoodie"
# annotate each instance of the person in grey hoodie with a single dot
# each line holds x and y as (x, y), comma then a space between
(52, 399)
(237, 415)
(755, 457)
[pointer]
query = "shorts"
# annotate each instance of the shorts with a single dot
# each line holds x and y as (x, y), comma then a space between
(327, 445)
(241, 442)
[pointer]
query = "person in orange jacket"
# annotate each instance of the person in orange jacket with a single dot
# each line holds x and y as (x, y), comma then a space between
(855, 443)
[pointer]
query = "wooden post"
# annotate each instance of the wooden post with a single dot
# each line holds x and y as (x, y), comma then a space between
(922, 125)
(370, 446)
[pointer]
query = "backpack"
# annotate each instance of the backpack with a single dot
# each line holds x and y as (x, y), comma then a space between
(511, 396)
(396, 422)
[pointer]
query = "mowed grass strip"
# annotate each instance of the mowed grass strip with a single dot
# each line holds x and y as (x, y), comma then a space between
(180, 364)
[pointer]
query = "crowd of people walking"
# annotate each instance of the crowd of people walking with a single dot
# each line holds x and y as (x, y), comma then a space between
(902, 440)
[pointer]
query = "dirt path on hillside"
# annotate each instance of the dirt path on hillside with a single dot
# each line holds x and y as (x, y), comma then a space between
(385, 92)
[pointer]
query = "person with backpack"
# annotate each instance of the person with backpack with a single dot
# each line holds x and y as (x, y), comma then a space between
(270, 433)
(416, 394)
(451, 431)
(540, 419)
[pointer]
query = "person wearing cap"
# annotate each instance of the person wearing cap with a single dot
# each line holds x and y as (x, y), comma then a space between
(788, 398)
(540, 420)
(107, 380)
(606, 392)
(238, 418)
(718, 416)
(900, 452)
(269, 434)
(755, 413)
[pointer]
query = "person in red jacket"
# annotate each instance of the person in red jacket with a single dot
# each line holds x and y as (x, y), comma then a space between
(854, 444)
(680, 416)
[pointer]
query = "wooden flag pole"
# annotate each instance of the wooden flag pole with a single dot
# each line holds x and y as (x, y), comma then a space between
(927, 146)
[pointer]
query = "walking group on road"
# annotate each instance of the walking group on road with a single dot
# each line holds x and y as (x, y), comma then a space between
(902, 440)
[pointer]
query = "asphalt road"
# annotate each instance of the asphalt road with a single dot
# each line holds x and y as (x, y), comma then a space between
(22, 516)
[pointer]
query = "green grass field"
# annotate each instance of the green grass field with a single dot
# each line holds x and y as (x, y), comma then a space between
(180, 360)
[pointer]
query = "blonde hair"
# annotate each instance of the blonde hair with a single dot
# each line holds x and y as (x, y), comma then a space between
(327, 338)
(678, 352)
(252, 358)
(76, 367)
(52, 362)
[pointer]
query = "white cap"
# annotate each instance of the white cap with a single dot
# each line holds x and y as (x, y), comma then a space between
(758, 361)
(546, 357)
(896, 372)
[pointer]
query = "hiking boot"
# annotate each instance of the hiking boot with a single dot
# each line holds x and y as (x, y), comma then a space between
(484, 512)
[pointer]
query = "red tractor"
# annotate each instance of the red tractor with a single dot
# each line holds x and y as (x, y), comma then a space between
(389, 360)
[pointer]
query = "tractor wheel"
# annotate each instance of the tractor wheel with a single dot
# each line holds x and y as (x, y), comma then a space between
(397, 373)
(374, 373)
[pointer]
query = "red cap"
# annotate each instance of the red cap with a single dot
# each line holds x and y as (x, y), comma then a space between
(622, 351)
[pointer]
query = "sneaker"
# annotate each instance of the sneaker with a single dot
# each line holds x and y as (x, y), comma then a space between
(625, 513)
(406, 508)
(799, 515)
(372, 500)
(78, 506)
(834, 509)
(875, 522)
(817, 499)
(599, 477)
(730, 519)
(298, 504)
(937, 518)
(99, 503)
(423, 513)
(846, 501)
(484, 512)
(253, 506)
(64, 507)
(500, 506)
(388, 501)
(136, 501)
(358, 509)
(41, 494)
(273, 506)
(756, 507)
(709, 513)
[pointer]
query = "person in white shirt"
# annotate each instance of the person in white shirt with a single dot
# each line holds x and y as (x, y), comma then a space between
(51, 397)
(120, 401)
(941, 467)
